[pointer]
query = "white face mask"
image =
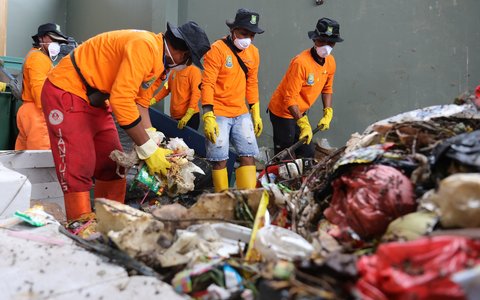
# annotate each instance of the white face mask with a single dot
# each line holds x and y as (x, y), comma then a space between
(324, 51)
(242, 44)
(174, 66)
(53, 50)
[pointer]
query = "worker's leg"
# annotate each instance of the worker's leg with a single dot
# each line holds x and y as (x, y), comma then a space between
(194, 121)
(37, 133)
(217, 154)
(245, 143)
(283, 132)
(107, 183)
(22, 117)
(220, 179)
(69, 123)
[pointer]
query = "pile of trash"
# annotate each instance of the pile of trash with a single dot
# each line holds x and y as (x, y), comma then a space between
(392, 215)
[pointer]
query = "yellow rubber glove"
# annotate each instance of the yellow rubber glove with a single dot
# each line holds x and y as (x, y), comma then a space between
(305, 129)
(324, 123)
(158, 163)
(155, 157)
(257, 121)
(3, 86)
(188, 115)
(210, 126)
(153, 101)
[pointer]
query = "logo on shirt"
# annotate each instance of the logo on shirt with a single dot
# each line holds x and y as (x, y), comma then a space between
(310, 79)
(55, 117)
(229, 62)
(329, 31)
(147, 84)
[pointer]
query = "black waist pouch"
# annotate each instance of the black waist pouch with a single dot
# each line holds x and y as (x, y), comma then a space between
(96, 98)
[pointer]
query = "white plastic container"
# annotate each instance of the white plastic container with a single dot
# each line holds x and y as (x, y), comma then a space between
(16, 191)
(275, 243)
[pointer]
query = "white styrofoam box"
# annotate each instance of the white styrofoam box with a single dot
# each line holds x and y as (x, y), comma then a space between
(39, 168)
(15, 192)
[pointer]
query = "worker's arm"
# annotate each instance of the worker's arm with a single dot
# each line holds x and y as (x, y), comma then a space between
(146, 122)
(195, 79)
(252, 81)
(162, 94)
(295, 75)
(212, 65)
(37, 67)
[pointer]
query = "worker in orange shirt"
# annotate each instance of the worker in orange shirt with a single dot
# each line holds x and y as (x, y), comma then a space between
(121, 66)
(309, 74)
(32, 129)
(229, 80)
(183, 84)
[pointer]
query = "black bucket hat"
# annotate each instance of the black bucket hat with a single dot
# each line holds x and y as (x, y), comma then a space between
(327, 30)
(51, 29)
(245, 19)
(195, 38)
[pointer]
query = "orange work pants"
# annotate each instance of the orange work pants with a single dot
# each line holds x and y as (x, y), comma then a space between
(33, 132)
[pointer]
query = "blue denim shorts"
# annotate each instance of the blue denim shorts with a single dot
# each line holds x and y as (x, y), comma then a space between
(239, 132)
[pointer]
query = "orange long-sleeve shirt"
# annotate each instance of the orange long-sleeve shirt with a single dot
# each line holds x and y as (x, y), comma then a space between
(122, 63)
(223, 81)
(35, 69)
(184, 87)
(303, 82)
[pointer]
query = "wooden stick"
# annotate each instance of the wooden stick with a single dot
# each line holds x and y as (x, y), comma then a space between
(3, 26)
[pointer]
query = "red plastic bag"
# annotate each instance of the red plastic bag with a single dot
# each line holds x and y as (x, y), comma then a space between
(368, 198)
(419, 269)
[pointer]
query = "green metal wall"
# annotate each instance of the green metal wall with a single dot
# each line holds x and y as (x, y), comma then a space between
(398, 55)
(23, 18)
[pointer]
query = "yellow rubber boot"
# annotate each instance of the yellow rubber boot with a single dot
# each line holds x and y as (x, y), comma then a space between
(220, 179)
(246, 177)
(77, 204)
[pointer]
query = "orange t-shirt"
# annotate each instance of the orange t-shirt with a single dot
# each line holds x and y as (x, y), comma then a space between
(223, 82)
(122, 63)
(35, 69)
(303, 82)
(184, 87)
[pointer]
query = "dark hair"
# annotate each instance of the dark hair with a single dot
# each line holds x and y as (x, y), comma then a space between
(177, 44)
(36, 40)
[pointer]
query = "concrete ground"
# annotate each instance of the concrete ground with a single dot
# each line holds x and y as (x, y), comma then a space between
(41, 263)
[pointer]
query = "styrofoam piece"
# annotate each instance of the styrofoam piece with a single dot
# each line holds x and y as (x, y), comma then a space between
(16, 190)
(38, 270)
(39, 168)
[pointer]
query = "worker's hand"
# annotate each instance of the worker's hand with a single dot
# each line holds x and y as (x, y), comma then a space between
(3, 86)
(257, 121)
(188, 115)
(210, 126)
(324, 123)
(155, 157)
(153, 101)
(305, 129)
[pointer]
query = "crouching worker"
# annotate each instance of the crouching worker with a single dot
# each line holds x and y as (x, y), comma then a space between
(120, 66)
